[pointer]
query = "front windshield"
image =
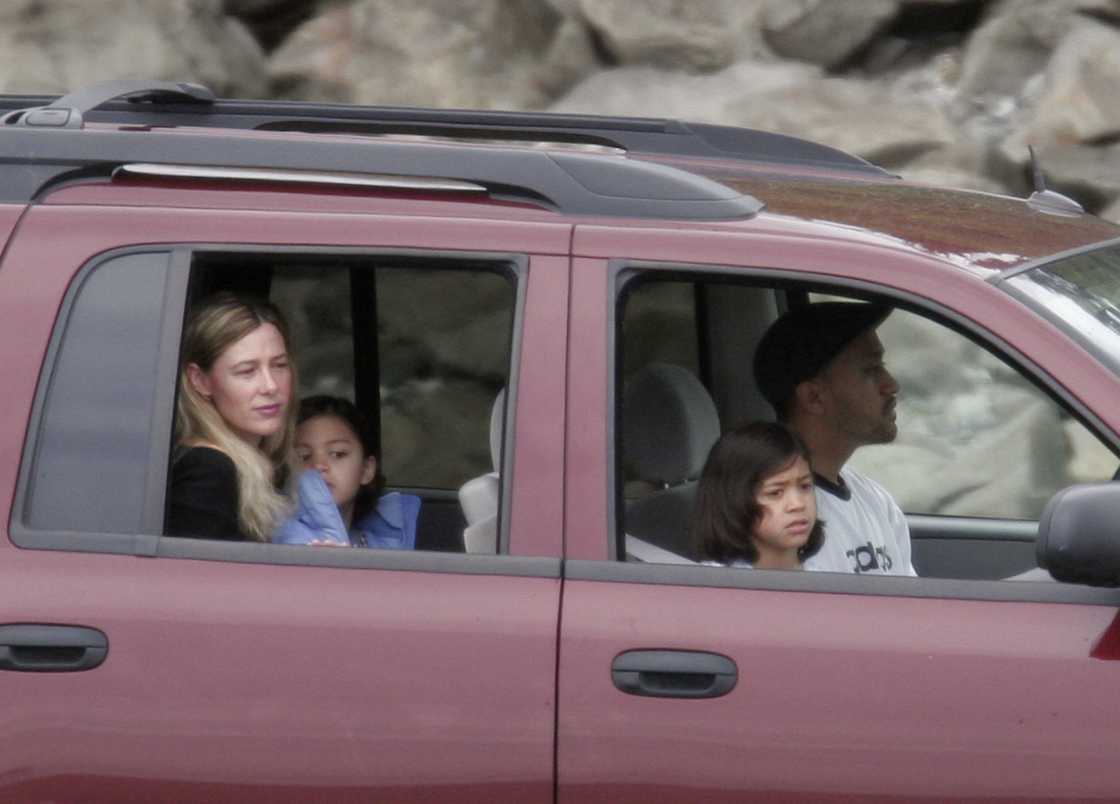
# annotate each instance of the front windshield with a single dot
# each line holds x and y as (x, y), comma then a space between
(1081, 294)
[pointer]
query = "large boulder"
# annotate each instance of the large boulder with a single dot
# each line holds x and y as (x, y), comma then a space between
(1112, 212)
(1077, 100)
(678, 34)
(649, 91)
(866, 118)
(471, 53)
(1006, 58)
(53, 46)
(271, 20)
(824, 32)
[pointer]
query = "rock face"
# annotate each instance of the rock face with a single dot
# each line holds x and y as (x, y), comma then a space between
(672, 34)
(936, 90)
(824, 32)
(940, 91)
(474, 53)
(52, 46)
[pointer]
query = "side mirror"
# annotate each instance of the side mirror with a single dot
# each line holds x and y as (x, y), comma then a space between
(1079, 535)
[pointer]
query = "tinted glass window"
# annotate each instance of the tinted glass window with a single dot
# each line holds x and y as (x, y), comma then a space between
(979, 444)
(421, 345)
(976, 438)
(91, 461)
(431, 346)
(1081, 295)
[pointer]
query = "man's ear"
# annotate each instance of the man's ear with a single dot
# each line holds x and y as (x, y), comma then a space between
(809, 395)
(199, 380)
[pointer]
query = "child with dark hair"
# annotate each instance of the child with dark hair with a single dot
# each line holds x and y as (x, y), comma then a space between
(340, 500)
(755, 502)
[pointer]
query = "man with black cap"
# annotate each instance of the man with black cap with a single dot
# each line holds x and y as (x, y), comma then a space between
(821, 367)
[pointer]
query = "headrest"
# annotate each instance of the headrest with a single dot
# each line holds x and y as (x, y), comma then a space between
(669, 424)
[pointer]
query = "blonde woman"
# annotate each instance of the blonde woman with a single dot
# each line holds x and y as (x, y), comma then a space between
(234, 423)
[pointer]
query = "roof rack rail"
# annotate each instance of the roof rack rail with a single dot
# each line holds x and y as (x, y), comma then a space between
(33, 160)
(636, 135)
(69, 110)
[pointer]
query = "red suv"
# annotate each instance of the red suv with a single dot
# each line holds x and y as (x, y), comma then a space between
(495, 290)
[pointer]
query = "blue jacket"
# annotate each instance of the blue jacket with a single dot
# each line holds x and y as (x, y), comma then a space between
(391, 525)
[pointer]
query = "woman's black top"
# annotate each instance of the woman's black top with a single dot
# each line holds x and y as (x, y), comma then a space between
(203, 499)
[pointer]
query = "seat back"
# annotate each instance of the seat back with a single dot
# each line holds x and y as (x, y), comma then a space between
(669, 425)
(480, 496)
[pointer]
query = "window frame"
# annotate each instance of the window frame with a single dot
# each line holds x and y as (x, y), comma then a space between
(151, 542)
(785, 281)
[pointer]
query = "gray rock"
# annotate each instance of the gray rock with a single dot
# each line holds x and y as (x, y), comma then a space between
(54, 46)
(1077, 101)
(692, 35)
(1111, 212)
(786, 97)
(646, 91)
(862, 117)
(239, 8)
(465, 334)
(272, 20)
(436, 433)
(824, 32)
(963, 165)
(1034, 454)
(472, 53)
(569, 58)
(1005, 59)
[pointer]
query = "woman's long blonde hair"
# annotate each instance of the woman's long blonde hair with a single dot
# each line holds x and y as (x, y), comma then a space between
(213, 327)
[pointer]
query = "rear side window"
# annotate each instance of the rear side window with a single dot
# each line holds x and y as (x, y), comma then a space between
(91, 461)
(422, 344)
(437, 340)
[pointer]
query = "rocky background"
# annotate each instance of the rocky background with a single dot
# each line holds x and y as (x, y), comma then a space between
(946, 91)
(940, 91)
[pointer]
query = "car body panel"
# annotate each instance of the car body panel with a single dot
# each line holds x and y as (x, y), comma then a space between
(864, 696)
(9, 217)
(840, 697)
(235, 681)
(281, 677)
(537, 515)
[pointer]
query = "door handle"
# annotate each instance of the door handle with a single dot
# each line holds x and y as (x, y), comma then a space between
(51, 648)
(674, 673)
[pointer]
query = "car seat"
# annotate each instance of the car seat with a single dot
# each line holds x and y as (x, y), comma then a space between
(479, 496)
(669, 424)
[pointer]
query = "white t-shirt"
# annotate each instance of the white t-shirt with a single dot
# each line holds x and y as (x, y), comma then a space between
(867, 532)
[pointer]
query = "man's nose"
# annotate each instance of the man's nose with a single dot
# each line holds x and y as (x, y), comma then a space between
(890, 384)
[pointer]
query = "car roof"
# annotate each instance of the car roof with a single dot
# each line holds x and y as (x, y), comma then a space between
(966, 228)
(582, 167)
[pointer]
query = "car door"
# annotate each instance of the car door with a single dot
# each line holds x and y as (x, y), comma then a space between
(688, 682)
(151, 668)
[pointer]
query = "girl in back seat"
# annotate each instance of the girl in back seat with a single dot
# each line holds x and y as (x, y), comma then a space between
(755, 502)
(339, 492)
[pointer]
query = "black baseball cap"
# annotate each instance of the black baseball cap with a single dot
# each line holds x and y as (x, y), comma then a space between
(804, 340)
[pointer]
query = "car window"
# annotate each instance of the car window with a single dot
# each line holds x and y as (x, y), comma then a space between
(437, 341)
(421, 344)
(89, 471)
(977, 441)
(976, 438)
